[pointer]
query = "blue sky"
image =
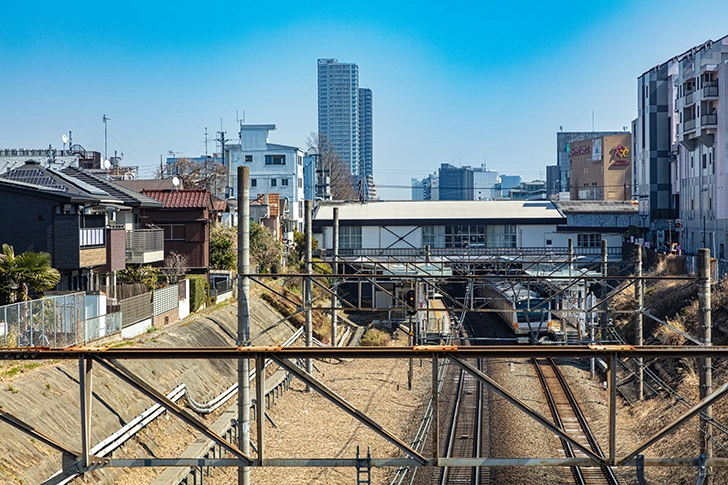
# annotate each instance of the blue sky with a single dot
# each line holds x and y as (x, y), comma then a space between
(460, 82)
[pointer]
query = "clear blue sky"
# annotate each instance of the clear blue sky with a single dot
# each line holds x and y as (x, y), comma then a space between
(453, 82)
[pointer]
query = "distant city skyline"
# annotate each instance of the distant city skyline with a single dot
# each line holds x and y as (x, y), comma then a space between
(446, 89)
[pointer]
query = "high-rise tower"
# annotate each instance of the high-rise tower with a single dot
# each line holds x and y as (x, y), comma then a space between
(345, 114)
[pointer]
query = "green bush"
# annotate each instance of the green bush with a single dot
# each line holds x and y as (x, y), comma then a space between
(199, 291)
(375, 337)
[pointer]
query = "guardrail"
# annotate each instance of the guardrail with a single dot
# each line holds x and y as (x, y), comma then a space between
(92, 236)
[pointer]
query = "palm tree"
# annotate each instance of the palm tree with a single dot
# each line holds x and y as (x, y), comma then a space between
(30, 271)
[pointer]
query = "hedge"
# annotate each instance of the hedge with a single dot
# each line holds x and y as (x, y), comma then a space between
(199, 291)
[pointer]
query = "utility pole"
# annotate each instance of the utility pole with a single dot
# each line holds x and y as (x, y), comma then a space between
(308, 289)
(334, 281)
(705, 363)
(639, 298)
(222, 140)
(244, 319)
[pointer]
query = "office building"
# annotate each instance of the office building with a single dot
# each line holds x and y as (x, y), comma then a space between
(456, 183)
(600, 168)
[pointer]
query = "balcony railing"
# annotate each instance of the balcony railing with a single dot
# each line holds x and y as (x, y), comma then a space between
(689, 97)
(711, 119)
(710, 90)
(92, 236)
(144, 245)
(689, 125)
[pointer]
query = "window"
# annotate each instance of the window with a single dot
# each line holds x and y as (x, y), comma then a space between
(284, 182)
(275, 159)
(248, 158)
(549, 242)
(501, 236)
(253, 182)
(589, 240)
(433, 236)
(350, 237)
(705, 161)
(300, 182)
(173, 232)
(273, 182)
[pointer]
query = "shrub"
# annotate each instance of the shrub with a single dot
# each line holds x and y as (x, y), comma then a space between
(375, 337)
(199, 291)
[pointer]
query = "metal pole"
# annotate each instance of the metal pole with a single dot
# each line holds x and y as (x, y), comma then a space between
(243, 318)
(84, 377)
(603, 304)
(639, 298)
(706, 364)
(612, 379)
(307, 296)
(260, 404)
(565, 328)
(335, 268)
(435, 410)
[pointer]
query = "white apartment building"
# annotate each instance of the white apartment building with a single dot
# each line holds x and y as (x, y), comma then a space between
(274, 169)
(484, 183)
(679, 148)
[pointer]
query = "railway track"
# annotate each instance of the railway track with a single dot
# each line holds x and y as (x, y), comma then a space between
(466, 430)
(568, 416)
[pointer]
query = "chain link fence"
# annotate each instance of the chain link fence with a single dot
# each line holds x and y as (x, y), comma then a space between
(54, 321)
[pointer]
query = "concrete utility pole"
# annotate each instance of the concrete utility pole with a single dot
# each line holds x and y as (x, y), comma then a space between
(565, 325)
(244, 318)
(603, 304)
(639, 299)
(706, 363)
(308, 289)
(335, 269)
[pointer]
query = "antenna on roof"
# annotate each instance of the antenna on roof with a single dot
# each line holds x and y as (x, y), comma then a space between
(64, 139)
(175, 182)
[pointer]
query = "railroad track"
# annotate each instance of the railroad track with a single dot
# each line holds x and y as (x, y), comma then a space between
(568, 416)
(465, 436)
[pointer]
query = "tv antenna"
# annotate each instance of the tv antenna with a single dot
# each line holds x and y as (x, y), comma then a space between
(64, 139)
(106, 142)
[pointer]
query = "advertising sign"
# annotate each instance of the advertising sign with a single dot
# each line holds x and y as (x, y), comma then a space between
(596, 149)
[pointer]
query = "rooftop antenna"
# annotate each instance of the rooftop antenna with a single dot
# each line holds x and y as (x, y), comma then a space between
(205, 143)
(561, 127)
(243, 116)
(64, 139)
(175, 182)
(105, 119)
(592, 121)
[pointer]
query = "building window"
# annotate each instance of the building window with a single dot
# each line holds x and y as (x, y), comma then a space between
(273, 182)
(589, 240)
(248, 158)
(275, 159)
(300, 182)
(253, 182)
(433, 236)
(501, 236)
(173, 232)
(284, 182)
(350, 237)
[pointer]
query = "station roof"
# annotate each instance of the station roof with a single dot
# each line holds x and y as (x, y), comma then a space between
(438, 212)
(597, 207)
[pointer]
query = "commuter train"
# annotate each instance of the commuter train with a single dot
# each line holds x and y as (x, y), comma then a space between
(527, 312)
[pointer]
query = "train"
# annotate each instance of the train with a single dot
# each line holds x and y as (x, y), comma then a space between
(527, 312)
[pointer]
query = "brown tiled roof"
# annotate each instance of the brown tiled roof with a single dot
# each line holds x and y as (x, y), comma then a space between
(181, 199)
(219, 205)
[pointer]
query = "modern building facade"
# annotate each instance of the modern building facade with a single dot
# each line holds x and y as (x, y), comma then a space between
(338, 108)
(274, 169)
(600, 168)
(345, 115)
(484, 183)
(366, 148)
(456, 183)
(562, 183)
(679, 148)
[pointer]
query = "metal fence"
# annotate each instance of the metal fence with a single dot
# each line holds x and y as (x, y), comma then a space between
(136, 309)
(102, 326)
(54, 321)
(221, 287)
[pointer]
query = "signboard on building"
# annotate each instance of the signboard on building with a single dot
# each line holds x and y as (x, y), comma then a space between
(620, 155)
(596, 149)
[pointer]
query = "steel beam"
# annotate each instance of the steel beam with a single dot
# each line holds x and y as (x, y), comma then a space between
(337, 400)
(35, 434)
(138, 384)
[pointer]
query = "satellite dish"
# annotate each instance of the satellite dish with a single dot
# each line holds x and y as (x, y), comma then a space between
(106, 164)
(64, 138)
(175, 181)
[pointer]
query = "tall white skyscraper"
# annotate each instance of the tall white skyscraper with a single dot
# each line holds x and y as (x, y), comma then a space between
(345, 114)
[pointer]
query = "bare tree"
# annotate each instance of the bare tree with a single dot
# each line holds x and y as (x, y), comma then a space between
(341, 179)
(175, 266)
(208, 175)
